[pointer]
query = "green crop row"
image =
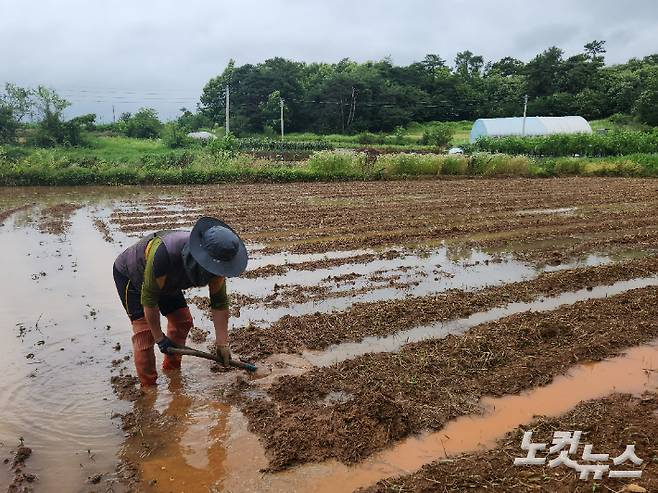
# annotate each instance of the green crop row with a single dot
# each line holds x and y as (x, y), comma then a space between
(616, 143)
(256, 144)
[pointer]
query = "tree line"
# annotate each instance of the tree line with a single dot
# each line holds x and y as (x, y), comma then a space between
(350, 97)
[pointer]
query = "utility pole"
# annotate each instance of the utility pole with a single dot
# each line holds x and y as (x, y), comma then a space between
(228, 103)
(281, 104)
(350, 116)
(525, 113)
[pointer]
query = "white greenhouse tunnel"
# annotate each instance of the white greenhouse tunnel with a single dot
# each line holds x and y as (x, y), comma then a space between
(534, 125)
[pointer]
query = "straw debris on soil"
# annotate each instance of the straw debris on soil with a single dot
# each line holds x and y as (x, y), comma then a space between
(430, 382)
(610, 214)
(292, 334)
(56, 219)
(103, 229)
(609, 424)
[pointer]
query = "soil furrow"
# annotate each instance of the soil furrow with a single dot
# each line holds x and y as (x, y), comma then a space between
(393, 395)
(292, 334)
(609, 424)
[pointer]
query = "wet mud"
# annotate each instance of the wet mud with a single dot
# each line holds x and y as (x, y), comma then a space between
(56, 219)
(292, 334)
(609, 424)
(350, 216)
(126, 387)
(6, 213)
(332, 264)
(426, 384)
(22, 481)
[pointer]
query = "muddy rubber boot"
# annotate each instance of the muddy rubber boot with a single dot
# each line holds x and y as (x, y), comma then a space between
(143, 353)
(179, 324)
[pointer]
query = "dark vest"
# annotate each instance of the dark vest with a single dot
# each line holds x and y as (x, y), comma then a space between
(132, 261)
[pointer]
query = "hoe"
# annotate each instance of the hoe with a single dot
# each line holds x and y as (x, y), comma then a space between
(250, 367)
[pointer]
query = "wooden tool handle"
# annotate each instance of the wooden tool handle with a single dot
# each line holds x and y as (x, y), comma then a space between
(187, 351)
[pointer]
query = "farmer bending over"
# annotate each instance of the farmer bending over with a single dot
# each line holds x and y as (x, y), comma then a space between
(151, 275)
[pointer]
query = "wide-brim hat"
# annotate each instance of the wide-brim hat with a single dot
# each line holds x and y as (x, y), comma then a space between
(217, 248)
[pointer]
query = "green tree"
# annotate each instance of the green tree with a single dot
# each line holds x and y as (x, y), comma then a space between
(506, 67)
(174, 135)
(647, 104)
(52, 129)
(8, 125)
(594, 50)
(193, 121)
(468, 65)
(144, 124)
(543, 72)
(375, 96)
(47, 102)
(19, 100)
(438, 135)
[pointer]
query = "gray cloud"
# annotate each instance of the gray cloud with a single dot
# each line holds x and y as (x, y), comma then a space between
(160, 53)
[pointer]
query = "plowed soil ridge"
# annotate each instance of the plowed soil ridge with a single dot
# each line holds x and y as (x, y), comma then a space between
(428, 383)
(317, 331)
(609, 424)
(320, 217)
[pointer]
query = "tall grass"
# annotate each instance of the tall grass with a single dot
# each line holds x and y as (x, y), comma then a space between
(114, 149)
(342, 163)
(48, 167)
(600, 167)
(455, 165)
(267, 144)
(411, 164)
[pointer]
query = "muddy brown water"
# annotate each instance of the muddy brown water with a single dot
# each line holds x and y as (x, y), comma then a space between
(61, 320)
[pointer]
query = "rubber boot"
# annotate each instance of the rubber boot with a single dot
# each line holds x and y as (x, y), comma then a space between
(143, 352)
(179, 324)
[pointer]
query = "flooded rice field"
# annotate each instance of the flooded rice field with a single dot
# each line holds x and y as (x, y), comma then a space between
(406, 334)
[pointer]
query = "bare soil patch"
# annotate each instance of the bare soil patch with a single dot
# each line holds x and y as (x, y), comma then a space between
(321, 217)
(126, 387)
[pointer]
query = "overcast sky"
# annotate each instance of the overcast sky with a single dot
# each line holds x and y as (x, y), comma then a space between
(160, 53)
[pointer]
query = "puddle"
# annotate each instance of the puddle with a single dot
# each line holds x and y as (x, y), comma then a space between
(459, 274)
(235, 465)
(559, 210)
(60, 399)
(181, 444)
(209, 448)
(392, 343)
(435, 269)
(629, 373)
